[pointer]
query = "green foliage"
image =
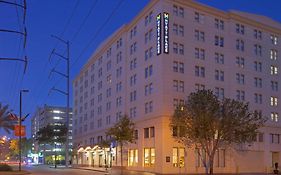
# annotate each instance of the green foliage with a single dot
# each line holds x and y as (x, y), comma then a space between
(122, 131)
(209, 124)
(7, 122)
(5, 167)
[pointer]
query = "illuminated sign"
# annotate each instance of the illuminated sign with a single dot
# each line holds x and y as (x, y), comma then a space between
(166, 32)
(158, 34)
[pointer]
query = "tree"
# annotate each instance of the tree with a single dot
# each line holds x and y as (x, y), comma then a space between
(14, 148)
(208, 124)
(7, 121)
(52, 134)
(123, 133)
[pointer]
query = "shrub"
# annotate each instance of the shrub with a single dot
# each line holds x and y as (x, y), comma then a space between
(5, 167)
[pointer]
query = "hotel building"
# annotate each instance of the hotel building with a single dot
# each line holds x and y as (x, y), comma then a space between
(149, 66)
(49, 115)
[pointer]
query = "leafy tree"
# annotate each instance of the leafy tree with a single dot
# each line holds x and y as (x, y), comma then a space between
(123, 133)
(14, 148)
(209, 124)
(7, 121)
(52, 134)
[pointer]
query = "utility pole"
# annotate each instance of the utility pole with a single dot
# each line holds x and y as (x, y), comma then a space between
(67, 59)
(20, 125)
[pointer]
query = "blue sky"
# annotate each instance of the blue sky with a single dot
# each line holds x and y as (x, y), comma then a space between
(64, 18)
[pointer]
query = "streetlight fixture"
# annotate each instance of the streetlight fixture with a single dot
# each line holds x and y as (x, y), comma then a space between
(20, 120)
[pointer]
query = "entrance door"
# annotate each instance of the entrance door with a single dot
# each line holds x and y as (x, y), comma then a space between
(100, 161)
(275, 158)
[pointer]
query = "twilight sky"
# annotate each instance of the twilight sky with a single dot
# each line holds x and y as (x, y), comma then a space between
(86, 23)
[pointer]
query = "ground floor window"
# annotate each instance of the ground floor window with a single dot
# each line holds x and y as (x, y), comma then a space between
(178, 157)
(149, 157)
(133, 157)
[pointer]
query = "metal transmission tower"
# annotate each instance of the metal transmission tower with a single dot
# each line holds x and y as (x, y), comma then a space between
(23, 33)
(65, 75)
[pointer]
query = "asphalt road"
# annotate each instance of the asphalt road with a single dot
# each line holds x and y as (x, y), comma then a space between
(46, 170)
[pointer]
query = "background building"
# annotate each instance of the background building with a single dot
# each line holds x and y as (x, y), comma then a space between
(44, 116)
(149, 66)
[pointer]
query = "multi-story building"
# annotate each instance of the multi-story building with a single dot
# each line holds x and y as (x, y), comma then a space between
(149, 66)
(49, 115)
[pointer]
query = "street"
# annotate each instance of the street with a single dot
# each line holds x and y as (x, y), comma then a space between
(46, 170)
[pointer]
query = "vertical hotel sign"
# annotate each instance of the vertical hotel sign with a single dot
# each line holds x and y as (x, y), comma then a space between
(158, 34)
(165, 33)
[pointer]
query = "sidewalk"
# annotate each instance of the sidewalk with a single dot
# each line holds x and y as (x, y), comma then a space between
(116, 171)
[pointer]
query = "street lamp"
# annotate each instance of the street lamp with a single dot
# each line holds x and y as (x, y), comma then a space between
(20, 120)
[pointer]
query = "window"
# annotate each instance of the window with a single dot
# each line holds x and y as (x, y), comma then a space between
(133, 112)
(119, 43)
(199, 35)
(177, 102)
(240, 95)
(118, 72)
(148, 89)
(219, 93)
(240, 45)
(219, 24)
(219, 75)
(274, 117)
(133, 48)
(119, 87)
(199, 87)
(99, 85)
(108, 65)
(133, 80)
(258, 49)
(148, 107)
(257, 34)
(273, 54)
(119, 57)
(148, 53)
(133, 64)
(178, 48)
(148, 71)
(178, 85)
(274, 39)
(108, 106)
(146, 132)
(178, 11)
(219, 41)
(100, 72)
(118, 101)
(149, 157)
(219, 58)
(240, 78)
(275, 138)
(133, 96)
(100, 97)
(178, 67)
(199, 17)
(258, 82)
(199, 71)
(108, 118)
(108, 79)
(240, 29)
(148, 36)
(273, 101)
(258, 66)
(274, 85)
(148, 18)
(108, 92)
(133, 32)
(178, 157)
(108, 53)
(132, 157)
(240, 62)
(273, 70)
(200, 53)
(258, 98)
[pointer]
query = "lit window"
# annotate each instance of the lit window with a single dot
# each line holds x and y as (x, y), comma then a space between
(178, 157)
(273, 70)
(133, 157)
(273, 101)
(149, 157)
(274, 117)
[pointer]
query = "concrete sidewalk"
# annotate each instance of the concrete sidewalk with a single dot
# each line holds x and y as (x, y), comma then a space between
(117, 171)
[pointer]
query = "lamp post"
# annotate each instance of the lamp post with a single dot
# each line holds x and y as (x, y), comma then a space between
(20, 120)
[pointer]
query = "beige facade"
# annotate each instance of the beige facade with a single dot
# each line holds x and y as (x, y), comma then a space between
(233, 53)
